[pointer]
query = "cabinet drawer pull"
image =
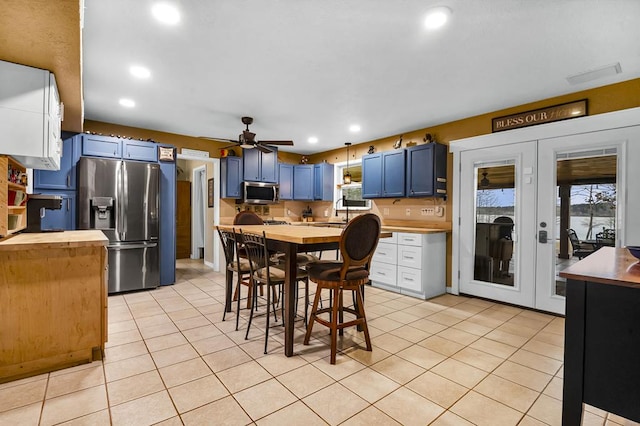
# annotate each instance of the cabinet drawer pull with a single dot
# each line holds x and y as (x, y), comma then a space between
(408, 279)
(408, 257)
(381, 273)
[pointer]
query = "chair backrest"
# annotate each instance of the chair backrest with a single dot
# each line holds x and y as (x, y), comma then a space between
(247, 218)
(358, 242)
(255, 248)
(573, 237)
(229, 245)
(507, 228)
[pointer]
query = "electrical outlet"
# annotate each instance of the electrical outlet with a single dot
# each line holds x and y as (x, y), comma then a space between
(385, 211)
(427, 211)
(326, 213)
(439, 211)
(408, 212)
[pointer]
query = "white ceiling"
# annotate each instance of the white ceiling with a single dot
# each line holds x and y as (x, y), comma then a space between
(311, 68)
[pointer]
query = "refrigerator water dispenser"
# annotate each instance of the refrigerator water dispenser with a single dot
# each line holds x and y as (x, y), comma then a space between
(102, 216)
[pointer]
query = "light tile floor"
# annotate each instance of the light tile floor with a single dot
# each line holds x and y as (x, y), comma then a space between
(171, 360)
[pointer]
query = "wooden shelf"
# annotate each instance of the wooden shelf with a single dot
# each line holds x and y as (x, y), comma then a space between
(5, 187)
(16, 187)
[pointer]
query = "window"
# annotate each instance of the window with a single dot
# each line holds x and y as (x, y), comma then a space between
(350, 195)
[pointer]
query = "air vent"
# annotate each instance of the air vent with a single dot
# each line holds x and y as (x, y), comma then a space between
(595, 74)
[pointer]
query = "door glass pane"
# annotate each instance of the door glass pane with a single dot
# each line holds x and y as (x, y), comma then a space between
(495, 259)
(585, 210)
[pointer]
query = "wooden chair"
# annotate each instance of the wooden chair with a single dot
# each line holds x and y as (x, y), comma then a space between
(358, 242)
(263, 272)
(247, 218)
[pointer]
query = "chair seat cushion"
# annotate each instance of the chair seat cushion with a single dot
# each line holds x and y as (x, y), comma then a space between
(276, 274)
(326, 270)
(302, 259)
(244, 265)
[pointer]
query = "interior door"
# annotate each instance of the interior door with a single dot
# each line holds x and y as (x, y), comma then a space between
(497, 237)
(183, 220)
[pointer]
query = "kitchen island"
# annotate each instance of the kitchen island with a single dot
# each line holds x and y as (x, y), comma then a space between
(602, 335)
(53, 301)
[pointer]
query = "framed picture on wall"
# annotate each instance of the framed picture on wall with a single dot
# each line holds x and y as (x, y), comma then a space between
(210, 192)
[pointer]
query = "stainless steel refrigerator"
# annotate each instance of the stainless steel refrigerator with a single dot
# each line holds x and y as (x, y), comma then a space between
(121, 199)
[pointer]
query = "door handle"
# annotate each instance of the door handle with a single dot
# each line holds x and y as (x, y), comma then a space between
(542, 236)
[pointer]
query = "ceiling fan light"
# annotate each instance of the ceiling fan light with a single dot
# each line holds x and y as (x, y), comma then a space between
(247, 145)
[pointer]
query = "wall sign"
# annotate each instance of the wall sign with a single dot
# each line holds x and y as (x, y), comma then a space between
(540, 116)
(166, 154)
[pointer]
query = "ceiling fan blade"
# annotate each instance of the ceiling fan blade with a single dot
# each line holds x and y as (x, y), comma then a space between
(231, 146)
(290, 143)
(263, 148)
(218, 139)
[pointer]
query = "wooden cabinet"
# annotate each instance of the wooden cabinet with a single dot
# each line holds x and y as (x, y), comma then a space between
(323, 182)
(426, 173)
(303, 182)
(57, 285)
(260, 166)
(286, 181)
(383, 174)
(231, 177)
(113, 147)
(412, 264)
(13, 218)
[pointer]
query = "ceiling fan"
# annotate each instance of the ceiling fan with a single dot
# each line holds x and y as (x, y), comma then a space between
(247, 139)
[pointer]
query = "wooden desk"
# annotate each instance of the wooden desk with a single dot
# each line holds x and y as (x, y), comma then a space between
(602, 335)
(290, 240)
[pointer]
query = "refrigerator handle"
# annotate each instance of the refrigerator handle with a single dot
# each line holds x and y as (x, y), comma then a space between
(118, 200)
(124, 202)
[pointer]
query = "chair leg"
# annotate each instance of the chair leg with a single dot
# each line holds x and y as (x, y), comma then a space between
(306, 301)
(254, 302)
(361, 314)
(340, 302)
(239, 293)
(269, 303)
(312, 316)
(334, 325)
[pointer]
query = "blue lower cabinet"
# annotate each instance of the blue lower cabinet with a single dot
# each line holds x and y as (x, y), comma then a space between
(65, 217)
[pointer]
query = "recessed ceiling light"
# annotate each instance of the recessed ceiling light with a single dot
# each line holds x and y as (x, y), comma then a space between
(354, 128)
(128, 103)
(312, 139)
(166, 13)
(140, 72)
(437, 17)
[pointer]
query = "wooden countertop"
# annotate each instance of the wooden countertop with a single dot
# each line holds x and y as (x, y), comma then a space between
(387, 228)
(608, 265)
(295, 234)
(42, 240)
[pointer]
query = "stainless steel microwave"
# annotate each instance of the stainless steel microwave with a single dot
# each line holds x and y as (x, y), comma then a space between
(261, 192)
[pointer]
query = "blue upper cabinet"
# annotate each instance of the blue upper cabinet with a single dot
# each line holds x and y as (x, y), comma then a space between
(139, 150)
(231, 177)
(303, 182)
(260, 166)
(112, 147)
(372, 176)
(393, 176)
(65, 178)
(286, 181)
(323, 182)
(101, 146)
(383, 174)
(427, 170)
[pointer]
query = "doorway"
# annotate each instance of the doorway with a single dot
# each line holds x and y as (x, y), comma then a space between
(187, 165)
(525, 197)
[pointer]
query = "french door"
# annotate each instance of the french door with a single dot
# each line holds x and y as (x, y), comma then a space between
(509, 239)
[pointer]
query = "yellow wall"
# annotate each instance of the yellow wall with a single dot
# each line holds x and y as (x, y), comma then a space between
(600, 100)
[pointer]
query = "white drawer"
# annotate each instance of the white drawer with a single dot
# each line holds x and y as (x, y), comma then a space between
(386, 253)
(410, 279)
(410, 256)
(383, 272)
(409, 239)
(393, 239)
